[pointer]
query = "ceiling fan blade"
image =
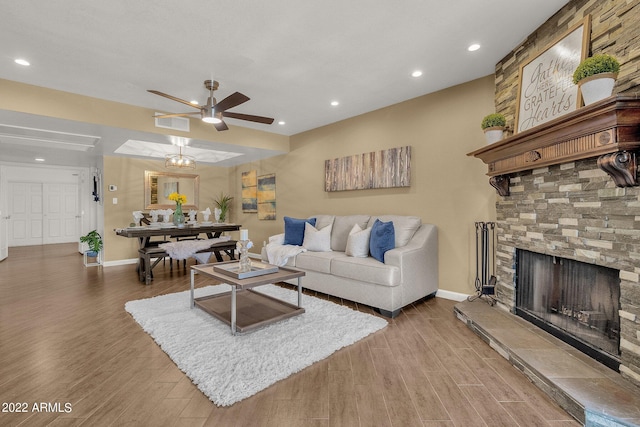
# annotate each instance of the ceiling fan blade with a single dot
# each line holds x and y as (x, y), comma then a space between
(155, 92)
(231, 101)
(164, 116)
(248, 117)
(220, 126)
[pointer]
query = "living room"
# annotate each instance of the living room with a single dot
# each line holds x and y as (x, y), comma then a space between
(448, 187)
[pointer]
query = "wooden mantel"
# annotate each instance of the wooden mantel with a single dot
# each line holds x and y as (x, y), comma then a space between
(608, 129)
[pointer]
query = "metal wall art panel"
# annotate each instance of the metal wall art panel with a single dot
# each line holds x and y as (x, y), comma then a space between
(377, 169)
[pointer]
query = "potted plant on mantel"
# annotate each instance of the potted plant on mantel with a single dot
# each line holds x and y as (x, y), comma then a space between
(94, 242)
(596, 76)
(493, 126)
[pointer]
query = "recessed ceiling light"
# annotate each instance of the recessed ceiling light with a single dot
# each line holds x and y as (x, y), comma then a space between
(416, 73)
(194, 102)
(22, 62)
(281, 122)
(473, 47)
(335, 103)
(39, 159)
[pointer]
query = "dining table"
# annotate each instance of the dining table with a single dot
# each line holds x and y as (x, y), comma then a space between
(145, 232)
(148, 249)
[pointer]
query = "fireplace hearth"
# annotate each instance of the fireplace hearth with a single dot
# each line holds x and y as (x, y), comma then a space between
(575, 301)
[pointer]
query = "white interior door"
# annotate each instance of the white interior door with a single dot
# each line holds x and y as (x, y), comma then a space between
(26, 213)
(61, 218)
(43, 213)
(4, 241)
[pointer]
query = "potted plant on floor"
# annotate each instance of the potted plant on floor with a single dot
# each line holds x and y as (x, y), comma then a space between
(596, 76)
(223, 202)
(94, 242)
(493, 126)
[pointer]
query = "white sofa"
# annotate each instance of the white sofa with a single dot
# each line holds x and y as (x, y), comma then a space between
(409, 271)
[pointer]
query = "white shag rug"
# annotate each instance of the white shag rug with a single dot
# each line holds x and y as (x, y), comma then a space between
(229, 368)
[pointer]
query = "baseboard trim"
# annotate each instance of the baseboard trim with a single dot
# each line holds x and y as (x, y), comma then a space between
(120, 262)
(454, 296)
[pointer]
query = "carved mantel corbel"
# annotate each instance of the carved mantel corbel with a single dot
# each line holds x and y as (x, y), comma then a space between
(621, 167)
(501, 184)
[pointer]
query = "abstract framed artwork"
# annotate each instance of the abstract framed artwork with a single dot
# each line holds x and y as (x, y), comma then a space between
(267, 197)
(377, 169)
(249, 191)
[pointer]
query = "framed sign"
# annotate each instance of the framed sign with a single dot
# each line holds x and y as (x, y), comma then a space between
(546, 89)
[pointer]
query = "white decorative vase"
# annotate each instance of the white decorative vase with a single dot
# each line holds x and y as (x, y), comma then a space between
(493, 134)
(597, 87)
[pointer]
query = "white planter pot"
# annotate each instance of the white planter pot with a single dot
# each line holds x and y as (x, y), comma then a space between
(493, 134)
(597, 87)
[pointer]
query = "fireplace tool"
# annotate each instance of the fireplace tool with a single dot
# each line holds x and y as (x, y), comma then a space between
(485, 282)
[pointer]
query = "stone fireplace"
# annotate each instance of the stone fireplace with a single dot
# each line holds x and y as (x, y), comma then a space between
(569, 189)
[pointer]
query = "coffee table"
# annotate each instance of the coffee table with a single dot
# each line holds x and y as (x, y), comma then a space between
(243, 308)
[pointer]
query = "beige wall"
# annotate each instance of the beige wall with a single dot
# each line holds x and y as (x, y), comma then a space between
(128, 175)
(448, 188)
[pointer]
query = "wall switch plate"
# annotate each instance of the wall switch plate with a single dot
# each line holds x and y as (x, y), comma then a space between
(115, 200)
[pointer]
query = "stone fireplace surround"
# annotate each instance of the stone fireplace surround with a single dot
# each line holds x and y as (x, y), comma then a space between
(568, 206)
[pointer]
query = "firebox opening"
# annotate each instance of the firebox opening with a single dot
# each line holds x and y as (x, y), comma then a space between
(575, 301)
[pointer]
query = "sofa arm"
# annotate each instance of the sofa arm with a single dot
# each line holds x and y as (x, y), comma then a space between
(418, 263)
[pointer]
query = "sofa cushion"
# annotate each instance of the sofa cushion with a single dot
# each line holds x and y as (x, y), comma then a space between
(365, 270)
(317, 240)
(342, 225)
(358, 242)
(382, 239)
(317, 261)
(404, 226)
(294, 230)
(323, 221)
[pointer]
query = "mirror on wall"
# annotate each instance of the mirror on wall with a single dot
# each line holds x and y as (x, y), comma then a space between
(158, 186)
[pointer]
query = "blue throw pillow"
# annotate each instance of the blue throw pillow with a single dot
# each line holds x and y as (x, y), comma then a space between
(294, 230)
(383, 238)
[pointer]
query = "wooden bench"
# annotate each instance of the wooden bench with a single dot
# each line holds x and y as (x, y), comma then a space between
(157, 254)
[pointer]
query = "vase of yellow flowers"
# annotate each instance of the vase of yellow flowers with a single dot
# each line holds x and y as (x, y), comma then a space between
(178, 215)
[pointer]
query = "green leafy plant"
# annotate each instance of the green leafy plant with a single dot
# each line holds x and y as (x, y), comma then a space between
(223, 202)
(493, 120)
(93, 241)
(596, 64)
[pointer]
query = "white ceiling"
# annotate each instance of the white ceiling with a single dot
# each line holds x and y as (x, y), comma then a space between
(292, 58)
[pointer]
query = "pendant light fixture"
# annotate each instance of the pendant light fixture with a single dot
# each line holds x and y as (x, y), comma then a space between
(179, 161)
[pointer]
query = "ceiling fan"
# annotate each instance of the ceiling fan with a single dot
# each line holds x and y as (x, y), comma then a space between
(213, 111)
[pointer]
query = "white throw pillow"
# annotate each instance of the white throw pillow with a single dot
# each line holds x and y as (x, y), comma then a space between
(278, 239)
(317, 240)
(358, 242)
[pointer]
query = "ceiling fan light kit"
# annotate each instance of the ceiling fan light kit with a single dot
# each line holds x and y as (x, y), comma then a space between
(213, 112)
(209, 116)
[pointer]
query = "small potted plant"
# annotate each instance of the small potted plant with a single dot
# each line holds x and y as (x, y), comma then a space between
(493, 126)
(596, 76)
(94, 242)
(223, 202)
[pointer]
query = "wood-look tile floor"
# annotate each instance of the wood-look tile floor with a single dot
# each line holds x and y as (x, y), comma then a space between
(70, 355)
